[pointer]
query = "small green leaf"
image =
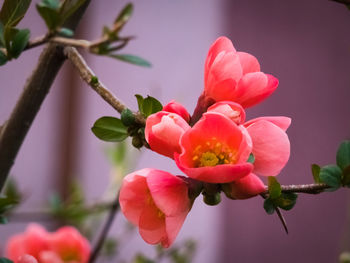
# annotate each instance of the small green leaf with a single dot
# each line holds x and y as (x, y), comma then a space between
(5, 260)
(3, 58)
(251, 158)
(68, 8)
(13, 11)
(19, 42)
(269, 206)
(315, 169)
(131, 59)
(3, 221)
(274, 187)
(94, 80)
(9, 34)
(110, 129)
(139, 102)
(66, 32)
(343, 155)
(127, 117)
(150, 106)
(331, 175)
(48, 10)
(286, 201)
(2, 39)
(125, 14)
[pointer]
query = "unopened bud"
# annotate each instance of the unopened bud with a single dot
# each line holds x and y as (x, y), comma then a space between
(212, 200)
(127, 117)
(137, 142)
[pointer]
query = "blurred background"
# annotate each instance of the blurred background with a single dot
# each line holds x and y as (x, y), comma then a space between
(305, 44)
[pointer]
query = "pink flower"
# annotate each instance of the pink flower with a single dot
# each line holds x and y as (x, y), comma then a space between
(235, 76)
(177, 108)
(271, 147)
(215, 150)
(157, 202)
(64, 245)
(31, 242)
(163, 131)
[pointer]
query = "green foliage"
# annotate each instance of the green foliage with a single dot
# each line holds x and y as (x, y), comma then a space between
(136, 60)
(277, 198)
(274, 187)
(110, 247)
(65, 32)
(128, 117)
(68, 8)
(343, 155)
(6, 204)
(140, 258)
(125, 14)
(332, 176)
(251, 158)
(5, 260)
(18, 43)
(13, 11)
(110, 129)
(149, 105)
(3, 58)
(316, 169)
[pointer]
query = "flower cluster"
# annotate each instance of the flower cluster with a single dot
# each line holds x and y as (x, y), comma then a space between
(215, 146)
(36, 245)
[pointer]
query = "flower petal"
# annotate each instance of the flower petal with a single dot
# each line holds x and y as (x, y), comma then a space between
(254, 88)
(280, 121)
(169, 193)
(249, 62)
(232, 110)
(173, 225)
(246, 187)
(271, 147)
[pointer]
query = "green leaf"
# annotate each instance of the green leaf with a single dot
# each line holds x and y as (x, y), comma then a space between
(286, 201)
(131, 59)
(128, 117)
(343, 155)
(274, 187)
(49, 12)
(13, 11)
(9, 34)
(110, 129)
(251, 158)
(3, 221)
(52, 4)
(139, 102)
(315, 169)
(5, 260)
(19, 42)
(150, 106)
(331, 175)
(269, 206)
(66, 32)
(11, 190)
(2, 39)
(3, 58)
(125, 14)
(68, 8)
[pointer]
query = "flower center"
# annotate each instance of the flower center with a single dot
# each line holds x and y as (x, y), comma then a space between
(213, 153)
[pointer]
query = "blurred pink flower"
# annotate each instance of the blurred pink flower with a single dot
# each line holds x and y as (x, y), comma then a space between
(27, 259)
(271, 147)
(64, 245)
(215, 150)
(157, 202)
(163, 131)
(177, 108)
(235, 76)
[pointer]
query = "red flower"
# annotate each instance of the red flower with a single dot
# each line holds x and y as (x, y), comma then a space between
(235, 76)
(215, 150)
(177, 108)
(157, 202)
(163, 131)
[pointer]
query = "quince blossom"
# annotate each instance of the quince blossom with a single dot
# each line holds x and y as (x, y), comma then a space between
(215, 150)
(235, 76)
(64, 245)
(157, 202)
(163, 131)
(177, 108)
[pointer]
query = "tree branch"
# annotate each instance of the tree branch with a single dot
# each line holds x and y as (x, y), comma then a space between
(89, 77)
(302, 188)
(101, 239)
(33, 95)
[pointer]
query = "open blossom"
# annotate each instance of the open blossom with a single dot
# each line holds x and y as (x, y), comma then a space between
(215, 150)
(177, 108)
(271, 147)
(157, 202)
(64, 245)
(235, 76)
(163, 131)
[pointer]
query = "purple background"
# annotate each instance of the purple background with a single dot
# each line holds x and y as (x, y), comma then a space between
(305, 44)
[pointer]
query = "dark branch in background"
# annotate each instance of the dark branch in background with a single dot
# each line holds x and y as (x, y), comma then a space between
(103, 235)
(35, 90)
(345, 2)
(89, 77)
